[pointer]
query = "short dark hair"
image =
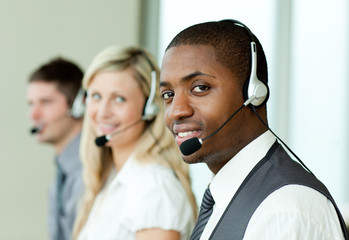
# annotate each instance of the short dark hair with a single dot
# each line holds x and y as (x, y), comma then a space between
(65, 73)
(231, 44)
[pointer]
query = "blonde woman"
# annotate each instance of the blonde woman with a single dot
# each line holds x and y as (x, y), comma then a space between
(137, 186)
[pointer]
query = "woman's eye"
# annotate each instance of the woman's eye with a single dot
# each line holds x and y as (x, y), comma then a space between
(95, 96)
(120, 99)
(167, 95)
(200, 88)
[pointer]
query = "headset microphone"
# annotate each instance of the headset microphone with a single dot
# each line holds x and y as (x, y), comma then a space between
(190, 146)
(193, 144)
(35, 129)
(102, 140)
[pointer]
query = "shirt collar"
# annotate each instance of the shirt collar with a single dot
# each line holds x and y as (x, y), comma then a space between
(69, 159)
(125, 174)
(227, 181)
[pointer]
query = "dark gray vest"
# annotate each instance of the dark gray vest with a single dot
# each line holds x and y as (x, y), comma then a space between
(274, 171)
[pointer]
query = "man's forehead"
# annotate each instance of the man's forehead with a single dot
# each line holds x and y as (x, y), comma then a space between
(183, 56)
(42, 89)
(43, 84)
(185, 61)
(187, 49)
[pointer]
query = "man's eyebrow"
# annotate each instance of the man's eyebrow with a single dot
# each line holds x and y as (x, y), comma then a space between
(195, 74)
(163, 84)
(187, 78)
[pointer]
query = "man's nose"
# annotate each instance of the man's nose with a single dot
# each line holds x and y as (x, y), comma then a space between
(180, 107)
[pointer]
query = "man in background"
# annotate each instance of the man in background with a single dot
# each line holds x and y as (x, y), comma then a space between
(56, 109)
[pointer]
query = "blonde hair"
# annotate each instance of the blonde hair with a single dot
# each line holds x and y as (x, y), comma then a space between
(156, 144)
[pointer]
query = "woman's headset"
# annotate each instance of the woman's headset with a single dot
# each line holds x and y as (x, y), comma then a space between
(150, 107)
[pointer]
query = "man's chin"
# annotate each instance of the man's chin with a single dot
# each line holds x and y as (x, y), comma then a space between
(43, 139)
(193, 158)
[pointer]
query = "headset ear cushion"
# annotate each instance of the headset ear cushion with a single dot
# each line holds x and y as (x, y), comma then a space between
(150, 111)
(266, 97)
(245, 93)
(245, 90)
(77, 109)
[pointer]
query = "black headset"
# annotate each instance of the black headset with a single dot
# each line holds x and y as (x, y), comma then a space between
(151, 109)
(253, 86)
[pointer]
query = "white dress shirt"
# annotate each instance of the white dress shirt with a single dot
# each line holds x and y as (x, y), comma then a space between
(291, 212)
(139, 196)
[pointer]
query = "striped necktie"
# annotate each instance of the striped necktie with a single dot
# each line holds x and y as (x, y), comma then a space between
(205, 213)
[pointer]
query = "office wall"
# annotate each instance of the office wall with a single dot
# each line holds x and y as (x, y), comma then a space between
(319, 91)
(32, 32)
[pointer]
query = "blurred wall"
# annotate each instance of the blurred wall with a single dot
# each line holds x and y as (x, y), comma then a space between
(32, 32)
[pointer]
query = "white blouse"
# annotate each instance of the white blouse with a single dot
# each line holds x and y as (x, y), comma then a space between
(139, 197)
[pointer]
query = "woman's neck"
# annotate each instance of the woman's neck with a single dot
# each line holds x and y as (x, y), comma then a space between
(120, 155)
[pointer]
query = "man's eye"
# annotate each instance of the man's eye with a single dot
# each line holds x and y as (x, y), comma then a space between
(200, 88)
(47, 101)
(167, 95)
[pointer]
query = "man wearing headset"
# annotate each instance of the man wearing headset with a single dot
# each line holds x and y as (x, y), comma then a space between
(214, 86)
(56, 110)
